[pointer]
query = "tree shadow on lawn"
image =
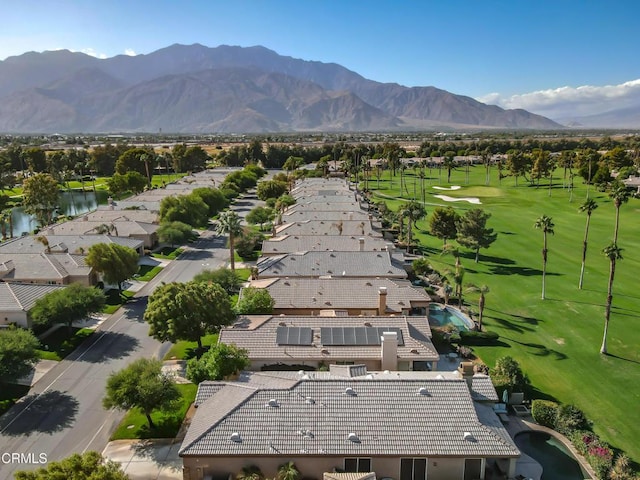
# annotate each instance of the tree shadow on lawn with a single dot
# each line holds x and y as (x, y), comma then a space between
(50, 412)
(483, 258)
(108, 346)
(166, 427)
(539, 349)
(516, 270)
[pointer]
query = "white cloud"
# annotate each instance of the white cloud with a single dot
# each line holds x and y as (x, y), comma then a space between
(130, 52)
(92, 52)
(567, 102)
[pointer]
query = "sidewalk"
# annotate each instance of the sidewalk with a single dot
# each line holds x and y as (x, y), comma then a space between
(147, 459)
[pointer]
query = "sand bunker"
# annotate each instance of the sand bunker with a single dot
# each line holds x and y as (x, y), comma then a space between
(452, 187)
(446, 198)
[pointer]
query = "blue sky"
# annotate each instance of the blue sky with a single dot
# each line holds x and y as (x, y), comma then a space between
(516, 53)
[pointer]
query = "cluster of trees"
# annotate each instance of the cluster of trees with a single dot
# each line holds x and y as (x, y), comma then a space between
(67, 305)
(87, 466)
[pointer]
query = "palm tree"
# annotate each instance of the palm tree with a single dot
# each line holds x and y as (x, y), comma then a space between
(106, 229)
(44, 241)
(587, 207)
(613, 253)
(230, 223)
(458, 273)
(412, 211)
(482, 290)
(545, 224)
(288, 471)
(250, 472)
(619, 194)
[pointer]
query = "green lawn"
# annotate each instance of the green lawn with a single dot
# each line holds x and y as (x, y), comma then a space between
(115, 300)
(60, 343)
(184, 350)
(147, 272)
(243, 273)
(10, 394)
(168, 253)
(134, 424)
(557, 340)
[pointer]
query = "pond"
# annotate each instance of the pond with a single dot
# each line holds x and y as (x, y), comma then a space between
(556, 460)
(71, 203)
(441, 315)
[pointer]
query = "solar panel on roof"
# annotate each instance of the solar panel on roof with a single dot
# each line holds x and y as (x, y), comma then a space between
(356, 335)
(294, 336)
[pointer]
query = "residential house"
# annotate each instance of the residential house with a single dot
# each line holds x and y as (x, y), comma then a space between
(16, 299)
(46, 268)
(344, 296)
(73, 244)
(146, 232)
(321, 228)
(332, 264)
(407, 427)
(380, 343)
(334, 243)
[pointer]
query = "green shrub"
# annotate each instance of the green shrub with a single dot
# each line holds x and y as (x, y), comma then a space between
(474, 337)
(544, 412)
(508, 372)
(570, 418)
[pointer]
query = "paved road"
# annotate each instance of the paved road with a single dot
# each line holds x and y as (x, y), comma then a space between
(63, 412)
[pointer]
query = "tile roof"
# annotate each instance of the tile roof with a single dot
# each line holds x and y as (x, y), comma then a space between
(63, 243)
(16, 297)
(339, 264)
(307, 243)
(259, 338)
(86, 227)
(482, 389)
(389, 417)
(341, 293)
(324, 206)
(108, 216)
(322, 227)
(300, 215)
(41, 266)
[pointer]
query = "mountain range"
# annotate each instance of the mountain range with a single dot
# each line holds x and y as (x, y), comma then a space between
(226, 89)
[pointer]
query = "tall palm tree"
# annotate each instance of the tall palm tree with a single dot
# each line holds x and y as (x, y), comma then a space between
(587, 207)
(613, 253)
(482, 290)
(230, 223)
(412, 211)
(545, 224)
(619, 194)
(458, 273)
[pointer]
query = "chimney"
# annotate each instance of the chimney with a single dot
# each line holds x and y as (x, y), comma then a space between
(361, 242)
(389, 341)
(466, 370)
(382, 300)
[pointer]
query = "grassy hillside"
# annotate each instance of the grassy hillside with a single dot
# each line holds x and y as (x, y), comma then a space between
(556, 340)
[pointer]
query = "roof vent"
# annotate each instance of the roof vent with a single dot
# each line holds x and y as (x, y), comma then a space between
(235, 437)
(369, 376)
(439, 377)
(386, 371)
(305, 377)
(414, 351)
(282, 324)
(300, 372)
(423, 391)
(350, 391)
(468, 437)
(367, 324)
(310, 401)
(352, 437)
(273, 403)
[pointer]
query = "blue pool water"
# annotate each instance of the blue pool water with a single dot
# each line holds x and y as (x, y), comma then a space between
(441, 315)
(557, 462)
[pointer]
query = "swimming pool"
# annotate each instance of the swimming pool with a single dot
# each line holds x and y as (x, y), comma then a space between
(557, 462)
(441, 315)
